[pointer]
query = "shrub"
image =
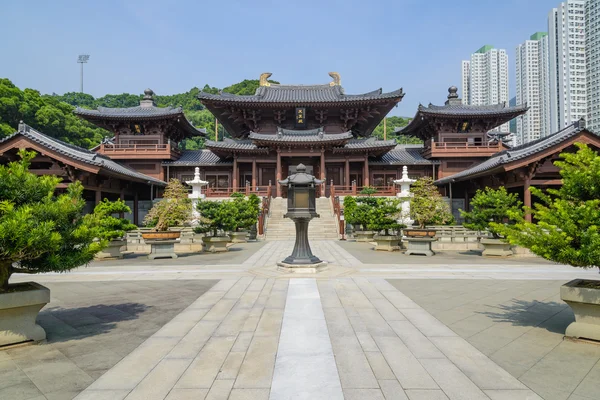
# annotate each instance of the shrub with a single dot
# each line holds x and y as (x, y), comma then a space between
(384, 216)
(427, 207)
(489, 206)
(41, 230)
(245, 210)
(368, 190)
(567, 227)
(174, 209)
(110, 227)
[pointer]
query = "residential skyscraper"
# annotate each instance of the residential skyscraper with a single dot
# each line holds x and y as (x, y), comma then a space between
(566, 49)
(592, 63)
(465, 89)
(487, 80)
(533, 88)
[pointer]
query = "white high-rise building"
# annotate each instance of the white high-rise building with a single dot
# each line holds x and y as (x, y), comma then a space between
(465, 89)
(487, 80)
(592, 63)
(566, 48)
(533, 88)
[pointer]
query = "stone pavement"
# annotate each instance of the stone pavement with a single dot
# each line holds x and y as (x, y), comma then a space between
(347, 333)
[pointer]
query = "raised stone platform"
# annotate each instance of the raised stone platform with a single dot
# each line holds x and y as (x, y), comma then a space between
(302, 268)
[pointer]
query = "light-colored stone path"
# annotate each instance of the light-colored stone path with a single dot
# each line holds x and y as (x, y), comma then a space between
(257, 334)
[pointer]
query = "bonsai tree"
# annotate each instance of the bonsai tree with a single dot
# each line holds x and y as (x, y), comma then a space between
(246, 210)
(215, 216)
(110, 227)
(383, 217)
(427, 206)
(368, 190)
(567, 227)
(174, 209)
(357, 210)
(492, 206)
(40, 229)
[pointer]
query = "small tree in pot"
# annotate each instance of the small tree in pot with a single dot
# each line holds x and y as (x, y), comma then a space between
(357, 212)
(384, 217)
(110, 228)
(567, 231)
(175, 209)
(427, 207)
(40, 231)
(491, 208)
(215, 217)
(246, 215)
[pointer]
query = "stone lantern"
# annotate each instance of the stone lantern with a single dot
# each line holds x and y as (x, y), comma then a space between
(301, 209)
(196, 194)
(405, 196)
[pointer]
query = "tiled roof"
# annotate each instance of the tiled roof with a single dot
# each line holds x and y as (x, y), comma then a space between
(300, 94)
(198, 158)
(302, 136)
(130, 112)
(230, 144)
(465, 110)
(516, 153)
(370, 143)
(403, 155)
(80, 154)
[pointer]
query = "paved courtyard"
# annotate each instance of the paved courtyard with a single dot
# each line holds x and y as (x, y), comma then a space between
(375, 325)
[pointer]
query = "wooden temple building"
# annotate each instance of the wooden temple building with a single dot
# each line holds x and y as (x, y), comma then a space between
(321, 126)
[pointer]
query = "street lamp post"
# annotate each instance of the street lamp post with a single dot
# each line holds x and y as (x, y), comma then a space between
(82, 59)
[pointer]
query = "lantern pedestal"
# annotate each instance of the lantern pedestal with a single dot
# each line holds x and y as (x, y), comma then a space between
(302, 260)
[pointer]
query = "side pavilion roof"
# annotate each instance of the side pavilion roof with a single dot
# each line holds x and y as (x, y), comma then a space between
(516, 156)
(93, 162)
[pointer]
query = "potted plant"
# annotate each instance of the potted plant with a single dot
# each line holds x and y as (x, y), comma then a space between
(357, 212)
(215, 217)
(175, 209)
(427, 207)
(493, 206)
(368, 191)
(567, 230)
(384, 218)
(40, 231)
(246, 216)
(110, 228)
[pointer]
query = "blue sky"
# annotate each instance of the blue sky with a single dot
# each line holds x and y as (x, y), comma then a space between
(171, 46)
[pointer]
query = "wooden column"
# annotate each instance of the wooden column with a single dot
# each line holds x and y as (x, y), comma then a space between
(235, 173)
(135, 208)
(347, 173)
(254, 174)
(366, 177)
(122, 197)
(278, 173)
(527, 199)
(98, 196)
(323, 172)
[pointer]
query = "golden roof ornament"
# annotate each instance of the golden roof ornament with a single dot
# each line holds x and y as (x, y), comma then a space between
(337, 79)
(263, 79)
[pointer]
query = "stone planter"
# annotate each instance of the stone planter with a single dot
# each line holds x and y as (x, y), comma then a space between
(18, 311)
(162, 248)
(112, 251)
(584, 300)
(164, 235)
(419, 232)
(216, 244)
(238, 237)
(364, 236)
(388, 242)
(495, 248)
(419, 246)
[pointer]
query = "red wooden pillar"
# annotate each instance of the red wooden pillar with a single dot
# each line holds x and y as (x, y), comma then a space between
(235, 173)
(98, 196)
(347, 173)
(366, 178)
(254, 174)
(135, 208)
(323, 172)
(278, 173)
(527, 199)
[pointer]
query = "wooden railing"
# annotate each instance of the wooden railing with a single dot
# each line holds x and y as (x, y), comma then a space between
(353, 190)
(124, 150)
(212, 191)
(265, 208)
(466, 148)
(338, 212)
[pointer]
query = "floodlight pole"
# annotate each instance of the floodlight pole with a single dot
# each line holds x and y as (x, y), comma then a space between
(82, 59)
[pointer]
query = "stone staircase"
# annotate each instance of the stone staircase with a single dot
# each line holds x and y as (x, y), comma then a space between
(323, 228)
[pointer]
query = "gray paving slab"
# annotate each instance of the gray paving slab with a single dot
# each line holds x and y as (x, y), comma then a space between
(392, 390)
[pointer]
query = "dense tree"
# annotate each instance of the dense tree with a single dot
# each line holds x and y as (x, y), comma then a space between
(427, 207)
(41, 230)
(567, 227)
(391, 124)
(492, 206)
